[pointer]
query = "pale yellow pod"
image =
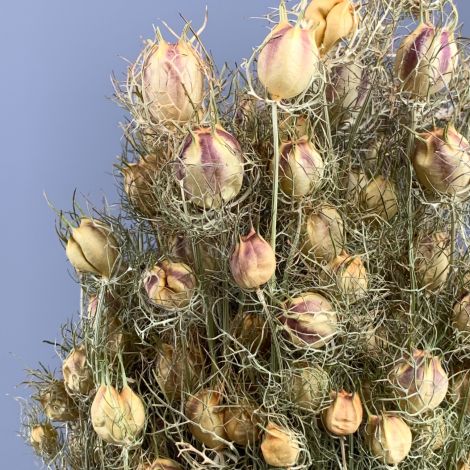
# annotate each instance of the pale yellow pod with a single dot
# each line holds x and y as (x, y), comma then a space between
(308, 387)
(379, 197)
(344, 415)
(78, 377)
(280, 447)
(241, 424)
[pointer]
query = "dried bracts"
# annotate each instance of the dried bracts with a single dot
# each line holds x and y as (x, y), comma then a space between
(288, 61)
(173, 81)
(426, 60)
(210, 167)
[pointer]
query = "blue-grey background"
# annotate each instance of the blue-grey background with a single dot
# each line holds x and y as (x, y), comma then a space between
(60, 132)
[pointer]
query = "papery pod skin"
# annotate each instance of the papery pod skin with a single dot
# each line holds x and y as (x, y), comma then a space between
(426, 60)
(310, 320)
(301, 168)
(161, 464)
(334, 20)
(288, 61)
(280, 447)
(389, 438)
(379, 197)
(442, 162)
(344, 415)
(349, 274)
(253, 262)
(241, 424)
(210, 167)
(252, 331)
(173, 81)
(133, 411)
(57, 404)
(460, 390)
(92, 248)
(107, 415)
(138, 183)
(44, 438)
(170, 285)
(357, 181)
(323, 233)
(78, 377)
(461, 313)
(206, 418)
(308, 387)
(174, 370)
(432, 260)
(420, 382)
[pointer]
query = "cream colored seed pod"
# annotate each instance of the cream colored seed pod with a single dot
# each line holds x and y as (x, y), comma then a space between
(379, 197)
(442, 162)
(334, 20)
(308, 387)
(253, 262)
(138, 183)
(349, 274)
(206, 418)
(344, 415)
(173, 81)
(288, 60)
(357, 181)
(92, 248)
(301, 168)
(323, 233)
(241, 424)
(432, 436)
(460, 390)
(252, 331)
(78, 377)
(420, 382)
(461, 312)
(389, 438)
(309, 320)
(280, 447)
(432, 260)
(170, 285)
(210, 167)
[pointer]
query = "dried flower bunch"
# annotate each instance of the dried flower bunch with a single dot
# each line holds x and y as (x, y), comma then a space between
(285, 281)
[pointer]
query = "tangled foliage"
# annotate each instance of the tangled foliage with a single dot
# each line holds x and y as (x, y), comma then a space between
(188, 346)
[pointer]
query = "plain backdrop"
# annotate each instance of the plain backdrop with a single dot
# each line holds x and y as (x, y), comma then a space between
(59, 131)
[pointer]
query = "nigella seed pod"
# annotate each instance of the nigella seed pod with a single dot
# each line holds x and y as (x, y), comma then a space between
(442, 162)
(174, 370)
(389, 438)
(460, 390)
(379, 197)
(308, 387)
(78, 377)
(173, 81)
(323, 233)
(310, 320)
(280, 447)
(420, 382)
(44, 439)
(252, 331)
(333, 20)
(461, 312)
(301, 168)
(432, 260)
(210, 167)
(357, 181)
(181, 248)
(253, 262)
(170, 285)
(56, 403)
(431, 436)
(349, 274)
(138, 183)
(426, 60)
(92, 248)
(288, 61)
(241, 424)
(134, 412)
(206, 418)
(344, 415)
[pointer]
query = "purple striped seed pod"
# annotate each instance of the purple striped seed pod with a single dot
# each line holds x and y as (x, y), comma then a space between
(309, 320)
(442, 162)
(420, 382)
(301, 168)
(211, 167)
(426, 60)
(253, 262)
(288, 61)
(170, 285)
(173, 81)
